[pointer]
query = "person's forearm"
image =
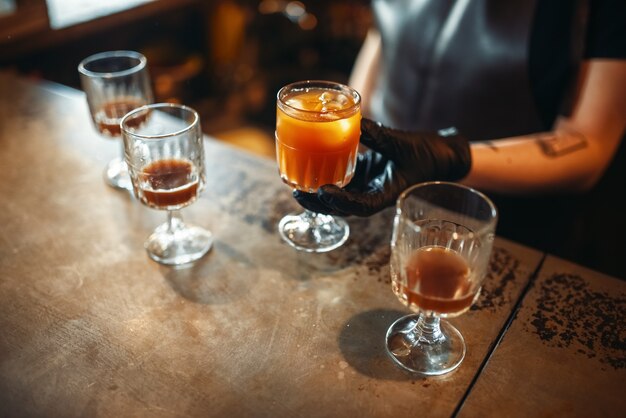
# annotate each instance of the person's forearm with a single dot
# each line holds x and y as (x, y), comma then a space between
(363, 76)
(574, 155)
(561, 161)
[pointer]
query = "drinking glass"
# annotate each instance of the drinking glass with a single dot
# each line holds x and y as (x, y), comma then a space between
(165, 155)
(115, 83)
(317, 138)
(440, 248)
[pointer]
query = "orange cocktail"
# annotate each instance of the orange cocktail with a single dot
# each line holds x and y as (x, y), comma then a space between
(317, 135)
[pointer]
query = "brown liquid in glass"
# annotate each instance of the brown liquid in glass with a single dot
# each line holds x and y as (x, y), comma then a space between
(168, 183)
(111, 113)
(438, 280)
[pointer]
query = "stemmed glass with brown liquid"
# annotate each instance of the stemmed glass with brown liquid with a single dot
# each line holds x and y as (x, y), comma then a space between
(164, 151)
(440, 248)
(115, 83)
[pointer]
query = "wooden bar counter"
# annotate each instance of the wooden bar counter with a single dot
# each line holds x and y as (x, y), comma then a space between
(90, 326)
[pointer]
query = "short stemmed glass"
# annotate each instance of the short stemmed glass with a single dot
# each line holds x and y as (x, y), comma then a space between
(115, 83)
(164, 151)
(440, 248)
(317, 139)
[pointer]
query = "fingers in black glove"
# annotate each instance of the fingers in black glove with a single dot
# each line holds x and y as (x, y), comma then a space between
(396, 160)
(442, 155)
(352, 203)
(312, 202)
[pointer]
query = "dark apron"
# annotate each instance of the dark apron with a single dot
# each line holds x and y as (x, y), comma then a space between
(461, 63)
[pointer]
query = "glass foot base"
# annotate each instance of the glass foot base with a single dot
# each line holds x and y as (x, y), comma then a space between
(313, 232)
(116, 175)
(181, 245)
(413, 351)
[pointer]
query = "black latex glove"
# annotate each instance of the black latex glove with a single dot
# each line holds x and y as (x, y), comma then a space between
(396, 160)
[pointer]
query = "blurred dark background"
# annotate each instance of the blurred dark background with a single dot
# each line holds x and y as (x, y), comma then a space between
(225, 58)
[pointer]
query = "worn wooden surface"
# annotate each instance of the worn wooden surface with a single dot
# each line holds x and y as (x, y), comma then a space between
(564, 355)
(92, 327)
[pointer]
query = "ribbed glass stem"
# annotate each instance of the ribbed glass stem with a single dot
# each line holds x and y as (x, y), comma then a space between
(427, 330)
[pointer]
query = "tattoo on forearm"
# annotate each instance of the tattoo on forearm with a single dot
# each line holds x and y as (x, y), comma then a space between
(558, 144)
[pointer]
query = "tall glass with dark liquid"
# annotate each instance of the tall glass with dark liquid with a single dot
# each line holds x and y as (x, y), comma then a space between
(440, 248)
(164, 151)
(115, 83)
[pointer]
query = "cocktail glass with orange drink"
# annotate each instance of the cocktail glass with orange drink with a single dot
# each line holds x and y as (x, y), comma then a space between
(318, 125)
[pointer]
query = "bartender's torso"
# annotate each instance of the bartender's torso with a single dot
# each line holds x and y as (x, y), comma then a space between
(466, 63)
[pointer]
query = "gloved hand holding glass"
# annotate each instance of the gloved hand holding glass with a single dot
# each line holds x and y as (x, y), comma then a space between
(395, 161)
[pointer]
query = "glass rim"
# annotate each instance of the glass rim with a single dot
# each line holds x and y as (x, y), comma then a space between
(319, 83)
(112, 54)
(154, 106)
(492, 208)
